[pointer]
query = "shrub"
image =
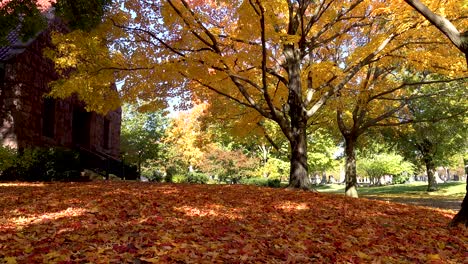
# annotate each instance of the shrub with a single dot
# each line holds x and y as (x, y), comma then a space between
(7, 158)
(45, 164)
(401, 178)
(156, 176)
(168, 178)
(197, 177)
(274, 183)
(179, 178)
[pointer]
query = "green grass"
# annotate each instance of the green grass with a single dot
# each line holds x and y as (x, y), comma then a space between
(449, 190)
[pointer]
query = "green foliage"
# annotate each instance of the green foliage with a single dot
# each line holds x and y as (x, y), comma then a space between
(154, 176)
(274, 168)
(383, 164)
(24, 13)
(191, 177)
(441, 128)
(82, 14)
(266, 182)
(44, 164)
(197, 178)
(7, 158)
(321, 151)
(141, 138)
(179, 178)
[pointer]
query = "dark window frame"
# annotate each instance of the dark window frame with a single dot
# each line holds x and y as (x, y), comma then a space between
(48, 117)
(106, 134)
(81, 127)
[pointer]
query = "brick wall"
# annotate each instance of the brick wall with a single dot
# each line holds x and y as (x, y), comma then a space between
(22, 107)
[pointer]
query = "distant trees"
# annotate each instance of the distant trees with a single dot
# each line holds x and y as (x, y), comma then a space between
(377, 166)
(439, 130)
(141, 136)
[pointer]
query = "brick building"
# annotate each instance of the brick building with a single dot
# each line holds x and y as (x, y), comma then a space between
(28, 118)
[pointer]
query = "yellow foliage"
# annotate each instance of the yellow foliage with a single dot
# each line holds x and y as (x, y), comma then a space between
(211, 50)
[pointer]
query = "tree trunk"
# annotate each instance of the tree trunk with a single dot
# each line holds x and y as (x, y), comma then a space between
(299, 175)
(350, 167)
(431, 178)
(264, 151)
(462, 216)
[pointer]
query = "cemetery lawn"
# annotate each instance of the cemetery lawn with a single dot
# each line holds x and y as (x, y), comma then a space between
(137, 222)
(449, 196)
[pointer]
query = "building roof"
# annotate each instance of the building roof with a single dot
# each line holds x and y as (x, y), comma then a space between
(16, 46)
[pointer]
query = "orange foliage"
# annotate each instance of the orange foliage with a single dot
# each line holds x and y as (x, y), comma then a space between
(129, 222)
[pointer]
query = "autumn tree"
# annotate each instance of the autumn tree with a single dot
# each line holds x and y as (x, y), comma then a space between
(460, 40)
(187, 138)
(228, 165)
(384, 90)
(380, 99)
(280, 60)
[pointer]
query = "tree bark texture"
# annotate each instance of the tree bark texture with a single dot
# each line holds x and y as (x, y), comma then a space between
(350, 168)
(299, 173)
(431, 178)
(462, 216)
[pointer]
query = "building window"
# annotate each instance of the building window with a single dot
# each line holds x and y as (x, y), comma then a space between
(106, 135)
(81, 127)
(48, 118)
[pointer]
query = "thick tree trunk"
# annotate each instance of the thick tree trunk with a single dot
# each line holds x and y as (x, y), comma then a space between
(431, 178)
(350, 167)
(299, 175)
(462, 215)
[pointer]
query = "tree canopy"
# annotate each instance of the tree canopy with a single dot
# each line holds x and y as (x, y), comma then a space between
(278, 60)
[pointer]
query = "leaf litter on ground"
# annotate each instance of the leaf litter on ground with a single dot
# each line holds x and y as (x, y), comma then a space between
(132, 222)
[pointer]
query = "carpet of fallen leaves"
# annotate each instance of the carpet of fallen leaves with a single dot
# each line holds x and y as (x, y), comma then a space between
(131, 222)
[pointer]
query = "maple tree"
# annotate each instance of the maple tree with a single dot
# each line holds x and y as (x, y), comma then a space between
(442, 135)
(187, 139)
(131, 222)
(459, 40)
(228, 165)
(383, 90)
(382, 99)
(279, 60)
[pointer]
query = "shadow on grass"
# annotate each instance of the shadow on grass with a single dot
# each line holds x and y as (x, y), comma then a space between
(452, 189)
